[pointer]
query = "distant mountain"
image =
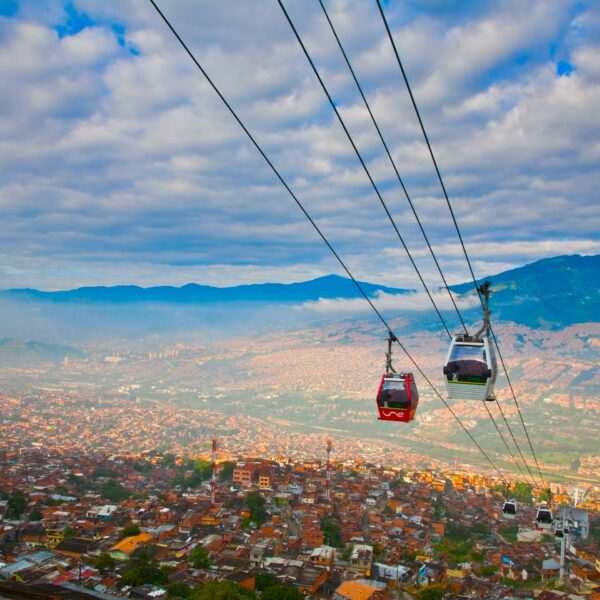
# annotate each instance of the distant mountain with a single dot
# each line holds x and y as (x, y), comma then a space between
(330, 286)
(550, 293)
(16, 352)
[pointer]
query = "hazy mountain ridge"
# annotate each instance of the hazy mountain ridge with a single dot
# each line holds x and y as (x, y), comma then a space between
(17, 352)
(329, 286)
(548, 294)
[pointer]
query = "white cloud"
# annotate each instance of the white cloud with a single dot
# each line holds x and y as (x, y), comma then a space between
(410, 302)
(108, 155)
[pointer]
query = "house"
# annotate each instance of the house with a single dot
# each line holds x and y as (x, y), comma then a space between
(361, 558)
(126, 547)
(358, 590)
(323, 555)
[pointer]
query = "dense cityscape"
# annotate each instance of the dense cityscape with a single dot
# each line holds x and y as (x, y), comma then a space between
(158, 525)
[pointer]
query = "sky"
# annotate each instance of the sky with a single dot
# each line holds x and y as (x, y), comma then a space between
(120, 165)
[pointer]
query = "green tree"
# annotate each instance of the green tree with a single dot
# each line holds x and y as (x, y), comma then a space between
(199, 558)
(178, 590)
(203, 468)
(222, 590)
(130, 530)
(281, 592)
(227, 471)
(433, 592)
(347, 552)
(256, 503)
(69, 533)
(35, 514)
(16, 505)
(168, 460)
(522, 492)
(113, 491)
(331, 532)
(262, 581)
(105, 562)
(143, 568)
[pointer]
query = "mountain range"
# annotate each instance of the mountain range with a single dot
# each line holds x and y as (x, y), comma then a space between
(551, 293)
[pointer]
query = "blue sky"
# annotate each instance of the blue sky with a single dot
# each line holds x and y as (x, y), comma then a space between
(118, 164)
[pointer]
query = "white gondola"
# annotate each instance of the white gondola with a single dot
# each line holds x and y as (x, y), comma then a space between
(544, 517)
(509, 509)
(470, 369)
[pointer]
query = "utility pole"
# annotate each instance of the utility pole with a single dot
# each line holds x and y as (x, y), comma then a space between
(213, 481)
(328, 472)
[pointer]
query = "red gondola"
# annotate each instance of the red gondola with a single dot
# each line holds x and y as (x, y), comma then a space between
(397, 397)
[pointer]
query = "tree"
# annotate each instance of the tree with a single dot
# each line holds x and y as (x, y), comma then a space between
(105, 562)
(130, 530)
(331, 532)
(69, 533)
(347, 552)
(36, 514)
(281, 592)
(222, 590)
(262, 581)
(113, 491)
(178, 590)
(433, 592)
(17, 504)
(143, 568)
(199, 558)
(256, 503)
(203, 468)
(168, 460)
(522, 492)
(227, 471)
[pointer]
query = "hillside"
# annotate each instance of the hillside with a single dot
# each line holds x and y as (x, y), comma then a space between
(19, 353)
(550, 293)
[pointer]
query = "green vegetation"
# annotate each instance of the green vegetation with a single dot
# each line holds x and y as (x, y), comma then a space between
(281, 592)
(347, 552)
(113, 491)
(35, 514)
(16, 505)
(201, 471)
(509, 532)
(105, 563)
(143, 568)
(331, 532)
(178, 590)
(256, 503)
(263, 581)
(104, 472)
(438, 508)
(432, 592)
(199, 558)
(130, 530)
(227, 471)
(222, 590)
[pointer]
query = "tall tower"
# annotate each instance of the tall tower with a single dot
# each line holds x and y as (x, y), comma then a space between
(213, 481)
(327, 472)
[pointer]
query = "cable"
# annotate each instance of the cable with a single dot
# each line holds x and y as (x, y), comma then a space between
(439, 175)
(321, 234)
(362, 162)
(489, 412)
(315, 70)
(393, 163)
